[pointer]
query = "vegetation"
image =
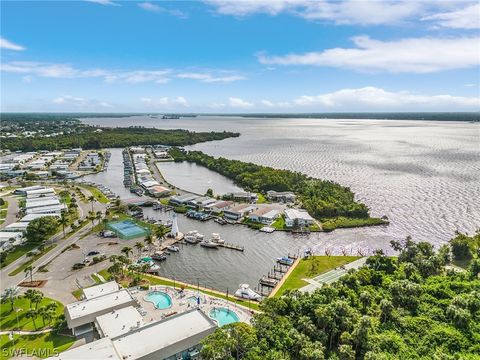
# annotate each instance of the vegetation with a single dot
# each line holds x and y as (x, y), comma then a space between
(311, 267)
(42, 345)
(465, 249)
(15, 253)
(41, 229)
(97, 138)
(34, 312)
(32, 259)
(324, 200)
(343, 222)
(405, 308)
(97, 194)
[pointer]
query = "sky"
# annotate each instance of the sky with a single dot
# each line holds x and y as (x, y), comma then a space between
(217, 56)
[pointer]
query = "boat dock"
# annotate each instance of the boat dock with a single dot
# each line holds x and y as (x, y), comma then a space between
(269, 284)
(232, 246)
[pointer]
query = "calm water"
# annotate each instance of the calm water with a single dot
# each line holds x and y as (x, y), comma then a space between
(422, 175)
(196, 179)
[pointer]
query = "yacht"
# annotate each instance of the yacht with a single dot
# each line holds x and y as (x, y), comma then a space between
(209, 244)
(285, 260)
(217, 239)
(245, 292)
(266, 281)
(159, 256)
(193, 237)
(173, 248)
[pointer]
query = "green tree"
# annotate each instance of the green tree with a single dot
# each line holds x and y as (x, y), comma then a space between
(41, 229)
(29, 272)
(9, 296)
(32, 314)
(63, 221)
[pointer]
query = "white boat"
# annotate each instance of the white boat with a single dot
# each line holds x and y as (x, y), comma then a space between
(245, 292)
(193, 237)
(173, 248)
(209, 244)
(217, 239)
(267, 229)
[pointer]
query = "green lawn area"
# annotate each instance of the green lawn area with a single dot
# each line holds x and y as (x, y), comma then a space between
(17, 252)
(8, 318)
(32, 260)
(97, 194)
(156, 281)
(279, 224)
(4, 205)
(342, 222)
(311, 267)
(42, 345)
(261, 199)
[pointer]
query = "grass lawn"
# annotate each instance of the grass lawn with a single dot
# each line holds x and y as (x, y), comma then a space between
(4, 205)
(42, 345)
(32, 260)
(97, 194)
(261, 199)
(311, 267)
(279, 224)
(343, 222)
(17, 252)
(8, 318)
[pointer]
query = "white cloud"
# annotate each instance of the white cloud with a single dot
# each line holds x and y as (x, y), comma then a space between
(267, 103)
(209, 78)
(69, 101)
(165, 102)
(239, 103)
(415, 55)
(466, 18)
(5, 44)
(364, 12)
(159, 76)
(104, 2)
(150, 7)
(373, 98)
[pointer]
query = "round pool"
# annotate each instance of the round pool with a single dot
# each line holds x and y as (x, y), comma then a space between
(223, 316)
(160, 299)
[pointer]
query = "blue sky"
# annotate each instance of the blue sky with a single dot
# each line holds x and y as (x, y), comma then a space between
(243, 56)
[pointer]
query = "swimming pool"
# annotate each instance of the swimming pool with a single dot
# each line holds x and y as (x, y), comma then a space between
(160, 299)
(224, 316)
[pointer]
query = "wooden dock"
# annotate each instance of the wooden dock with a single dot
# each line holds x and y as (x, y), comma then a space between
(232, 246)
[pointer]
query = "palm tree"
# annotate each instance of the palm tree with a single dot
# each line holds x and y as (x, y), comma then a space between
(98, 216)
(104, 222)
(91, 217)
(9, 295)
(51, 312)
(139, 246)
(32, 314)
(29, 294)
(149, 242)
(29, 270)
(37, 298)
(127, 251)
(91, 199)
(42, 311)
(64, 222)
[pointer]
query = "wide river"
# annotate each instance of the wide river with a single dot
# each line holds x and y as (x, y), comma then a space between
(422, 174)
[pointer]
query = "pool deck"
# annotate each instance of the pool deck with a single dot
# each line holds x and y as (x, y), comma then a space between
(181, 303)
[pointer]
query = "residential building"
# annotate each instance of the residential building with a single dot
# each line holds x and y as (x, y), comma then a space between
(244, 196)
(219, 206)
(181, 200)
(297, 217)
(265, 215)
(51, 209)
(159, 191)
(239, 211)
(284, 196)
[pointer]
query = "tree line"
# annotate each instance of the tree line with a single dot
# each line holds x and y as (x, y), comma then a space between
(323, 199)
(98, 138)
(409, 307)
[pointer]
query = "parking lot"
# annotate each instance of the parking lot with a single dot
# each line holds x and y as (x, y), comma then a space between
(62, 280)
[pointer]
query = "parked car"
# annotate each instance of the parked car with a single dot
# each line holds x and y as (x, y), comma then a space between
(93, 253)
(78, 266)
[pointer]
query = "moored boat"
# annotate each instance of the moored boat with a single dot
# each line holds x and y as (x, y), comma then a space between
(266, 281)
(173, 248)
(159, 256)
(285, 260)
(245, 292)
(209, 244)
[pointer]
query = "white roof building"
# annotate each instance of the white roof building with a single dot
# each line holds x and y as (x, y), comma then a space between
(16, 227)
(31, 217)
(51, 209)
(41, 202)
(297, 217)
(85, 311)
(118, 322)
(99, 290)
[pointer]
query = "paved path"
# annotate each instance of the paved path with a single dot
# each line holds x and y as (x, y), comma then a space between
(19, 332)
(12, 211)
(331, 276)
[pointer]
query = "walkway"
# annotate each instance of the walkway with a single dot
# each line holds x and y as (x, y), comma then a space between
(331, 276)
(20, 332)
(12, 211)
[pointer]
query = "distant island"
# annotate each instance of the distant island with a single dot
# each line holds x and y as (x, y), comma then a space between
(50, 132)
(332, 204)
